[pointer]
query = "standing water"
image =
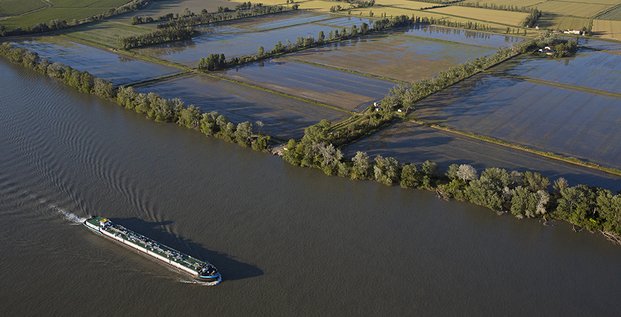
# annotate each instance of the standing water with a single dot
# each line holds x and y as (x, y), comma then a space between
(288, 241)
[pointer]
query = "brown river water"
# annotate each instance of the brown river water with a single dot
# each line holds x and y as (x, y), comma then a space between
(288, 241)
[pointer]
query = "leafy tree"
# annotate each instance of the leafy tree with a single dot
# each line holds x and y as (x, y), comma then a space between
(578, 206)
(386, 170)
(361, 168)
(609, 209)
(190, 117)
(243, 134)
(410, 177)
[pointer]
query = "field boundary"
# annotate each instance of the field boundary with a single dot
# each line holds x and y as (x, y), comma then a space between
(274, 92)
(566, 86)
(347, 70)
(523, 148)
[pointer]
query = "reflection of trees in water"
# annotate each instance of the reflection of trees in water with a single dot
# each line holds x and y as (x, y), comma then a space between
(469, 34)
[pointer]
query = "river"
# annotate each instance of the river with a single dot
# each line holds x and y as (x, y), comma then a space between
(288, 241)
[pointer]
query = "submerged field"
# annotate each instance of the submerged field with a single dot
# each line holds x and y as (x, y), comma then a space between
(283, 117)
(238, 43)
(338, 88)
(411, 55)
(116, 68)
(566, 121)
(590, 69)
(410, 142)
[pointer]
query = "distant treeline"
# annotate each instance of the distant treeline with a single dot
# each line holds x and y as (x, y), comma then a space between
(56, 24)
(523, 194)
(243, 10)
(150, 104)
(158, 36)
(494, 6)
(532, 18)
(353, 4)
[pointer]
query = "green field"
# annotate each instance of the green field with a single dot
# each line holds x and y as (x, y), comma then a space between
(27, 13)
(613, 14)
(15, 7)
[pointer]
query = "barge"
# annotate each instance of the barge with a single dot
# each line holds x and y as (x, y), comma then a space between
(201, 270)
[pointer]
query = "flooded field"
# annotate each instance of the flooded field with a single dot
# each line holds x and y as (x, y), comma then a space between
(281, 20)
(334, 87)
(238, 43)
(468, 37)
(565, 121)
(118, 69)
(283, 117)
(590, 68)
(410, 142)
(395, 56)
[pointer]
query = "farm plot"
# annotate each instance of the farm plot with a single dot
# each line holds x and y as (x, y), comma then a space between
(577, 9)
(15, 7)
(346, 22)
(400, 57)
(103, 64)
(463, 36)
(107, 33)
(230, 44)
(412, 143)
(517, 3)
(607, 29)
(569, 122)
(486, 15)
(162, 7)
(59, 10)
(589, 69)
(611, 14)
(333, 87)
(280, 20)
(557, 22)
(282, 117)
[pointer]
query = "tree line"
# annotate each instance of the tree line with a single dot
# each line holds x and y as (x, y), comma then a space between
(243, 10)
(170, 34)
(522, 194)
(58, 24)
(219, 61)
(149, 104)
(532, 18)
(494, 6)
(401, 98)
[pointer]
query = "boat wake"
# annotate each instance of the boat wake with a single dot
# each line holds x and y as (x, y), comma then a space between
(71, 217)
(195, 282)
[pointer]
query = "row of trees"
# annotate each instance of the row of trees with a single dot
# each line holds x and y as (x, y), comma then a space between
(150, 104)
(401, 98)
(243, 10)
(523, 194)
(353, 4)
(532, 18)
(158, 36)
(174, 110)
(57, 24)
(494, 6)
(218, 61)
